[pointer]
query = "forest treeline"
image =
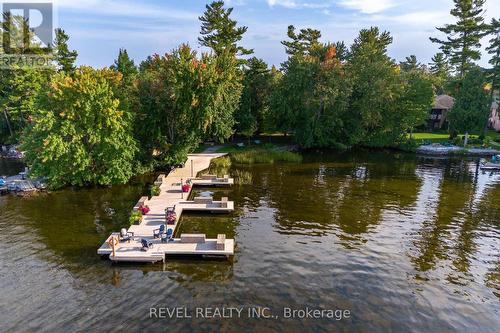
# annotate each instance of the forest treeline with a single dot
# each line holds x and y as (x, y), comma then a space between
(83, 126)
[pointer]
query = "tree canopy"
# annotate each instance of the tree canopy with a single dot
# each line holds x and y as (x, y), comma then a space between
(83, 126)
(472, 105)
(463, 38)
(64, 58)
(221, 33)
(80, 136)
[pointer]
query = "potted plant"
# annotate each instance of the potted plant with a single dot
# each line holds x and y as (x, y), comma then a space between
(155, 190)
(186, 188)
(135, 217)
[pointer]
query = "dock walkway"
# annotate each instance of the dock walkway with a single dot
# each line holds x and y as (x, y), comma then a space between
(171, 195)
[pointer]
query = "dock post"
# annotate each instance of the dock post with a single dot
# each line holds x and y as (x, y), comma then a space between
(114, 242)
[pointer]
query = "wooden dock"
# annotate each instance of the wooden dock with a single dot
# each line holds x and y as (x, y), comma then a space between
(171, 195)
(491, 167)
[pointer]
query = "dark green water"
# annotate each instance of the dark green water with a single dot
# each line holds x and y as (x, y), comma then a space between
(406, 244)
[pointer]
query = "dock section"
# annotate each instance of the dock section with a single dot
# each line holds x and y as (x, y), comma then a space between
(171, 195)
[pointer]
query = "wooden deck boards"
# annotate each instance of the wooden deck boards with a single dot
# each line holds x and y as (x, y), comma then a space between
(170, 196)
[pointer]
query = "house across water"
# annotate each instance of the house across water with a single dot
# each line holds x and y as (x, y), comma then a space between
(439, 112)
(494, 121)
(444, 103)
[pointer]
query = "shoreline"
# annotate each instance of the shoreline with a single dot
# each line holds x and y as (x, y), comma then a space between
(440, 150)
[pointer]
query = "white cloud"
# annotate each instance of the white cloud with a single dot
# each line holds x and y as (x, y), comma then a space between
(368, 6)
(125, 8)
(283, 3)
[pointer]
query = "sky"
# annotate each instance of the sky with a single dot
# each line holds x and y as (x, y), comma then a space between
(98, 28)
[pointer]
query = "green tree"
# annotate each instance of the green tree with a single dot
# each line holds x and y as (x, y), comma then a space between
(80, 136)
(320, 121)
(126, 67)
(375, 118)
(342, 51)
(221, 33)
(410, 64)
(494, 49)
(64, 58)
(19, 86)
(254, 104)
(311, 98)
(20, 91)
(440, 70)
(463, 38)
(472, 105)
(306, 42)
(416, 99)
(185, 99)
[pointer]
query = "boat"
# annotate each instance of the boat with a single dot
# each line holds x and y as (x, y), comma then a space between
(491, 166)
(21, 186)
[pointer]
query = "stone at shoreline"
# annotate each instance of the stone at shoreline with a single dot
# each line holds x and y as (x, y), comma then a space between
(451, 150)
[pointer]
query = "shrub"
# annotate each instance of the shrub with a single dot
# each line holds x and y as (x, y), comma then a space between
(155, 190)
(487, 141)
(408, 146)
(260, 156)
(458, 141)
(135, 216)
(242, 177)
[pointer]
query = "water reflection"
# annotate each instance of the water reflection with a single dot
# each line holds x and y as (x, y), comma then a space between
(405, 243)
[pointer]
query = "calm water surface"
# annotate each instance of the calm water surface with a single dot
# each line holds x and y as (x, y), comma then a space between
(406, 244)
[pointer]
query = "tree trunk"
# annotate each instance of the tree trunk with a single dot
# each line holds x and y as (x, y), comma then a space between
(411, 133)
(466, 139)
(8, 122)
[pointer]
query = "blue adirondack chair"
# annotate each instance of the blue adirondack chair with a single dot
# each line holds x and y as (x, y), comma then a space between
(146, 244)
(157, 233)
(168, 236)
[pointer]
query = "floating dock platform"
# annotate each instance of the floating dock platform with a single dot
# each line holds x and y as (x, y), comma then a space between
(491, 167)
(171, 195)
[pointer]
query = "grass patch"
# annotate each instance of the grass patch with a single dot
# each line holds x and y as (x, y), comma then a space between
(434, 137)
(265, 156)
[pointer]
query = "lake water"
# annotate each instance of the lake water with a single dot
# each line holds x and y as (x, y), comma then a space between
(406, 244)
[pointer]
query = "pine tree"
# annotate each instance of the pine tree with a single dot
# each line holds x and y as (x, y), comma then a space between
(410, 63)
(125, 66)
(463, 37)
(342, 51)
(375, 118)
(472, 105)
(494, 50)
(439, 65)
(440, 70)
(255, 97)
(219, 32)
(63, 56)
(306, 42)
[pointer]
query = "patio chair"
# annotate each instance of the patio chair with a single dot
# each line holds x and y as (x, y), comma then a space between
(158, 232)
(126, 236)
(146, 244)
(168, 236)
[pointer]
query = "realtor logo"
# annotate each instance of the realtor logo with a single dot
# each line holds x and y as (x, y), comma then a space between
(27, 27)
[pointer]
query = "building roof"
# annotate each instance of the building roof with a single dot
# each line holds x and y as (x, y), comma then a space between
(443, 102)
